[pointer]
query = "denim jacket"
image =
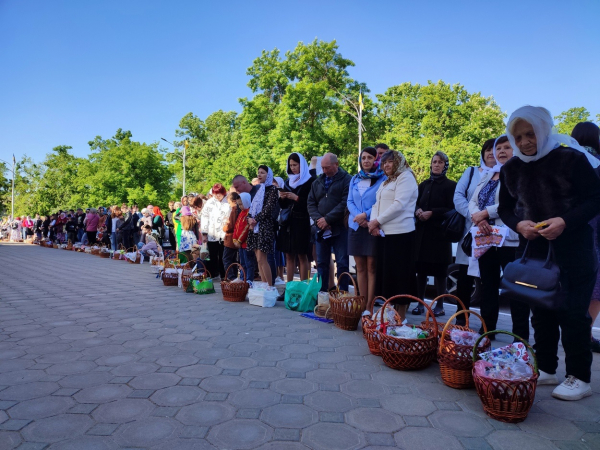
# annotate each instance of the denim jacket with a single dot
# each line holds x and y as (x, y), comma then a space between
(358, 204)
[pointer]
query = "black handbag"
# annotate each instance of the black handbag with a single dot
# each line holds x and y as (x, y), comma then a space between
(453, 225)
(285, 215)
(467, 244)
(534, 281)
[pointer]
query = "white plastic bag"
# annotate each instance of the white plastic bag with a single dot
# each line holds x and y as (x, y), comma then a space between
(263, 297)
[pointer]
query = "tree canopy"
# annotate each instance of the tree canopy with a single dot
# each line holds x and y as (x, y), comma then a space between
(303, 100)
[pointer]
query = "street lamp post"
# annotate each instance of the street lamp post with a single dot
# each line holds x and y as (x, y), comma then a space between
(185, 146)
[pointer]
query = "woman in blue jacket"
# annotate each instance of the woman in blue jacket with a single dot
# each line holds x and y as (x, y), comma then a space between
(361, 198)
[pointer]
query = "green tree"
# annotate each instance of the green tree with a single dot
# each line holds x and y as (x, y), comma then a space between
(27, 184)
(123, 170)
(421, 119)
(566, 120)
(5, 189)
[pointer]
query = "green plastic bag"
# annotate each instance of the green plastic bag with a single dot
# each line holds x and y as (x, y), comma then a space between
(205, 286)
(302, 295)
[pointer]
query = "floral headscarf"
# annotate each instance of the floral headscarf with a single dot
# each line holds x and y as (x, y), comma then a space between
(399, 165)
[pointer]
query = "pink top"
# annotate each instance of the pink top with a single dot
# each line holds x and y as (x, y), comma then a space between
(91, 222)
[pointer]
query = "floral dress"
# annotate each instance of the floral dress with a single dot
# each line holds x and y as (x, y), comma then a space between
(188, 239)
(267, 228)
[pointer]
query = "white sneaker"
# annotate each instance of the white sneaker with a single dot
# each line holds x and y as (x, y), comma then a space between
(278, 280)
(549, 379)
(572, 389)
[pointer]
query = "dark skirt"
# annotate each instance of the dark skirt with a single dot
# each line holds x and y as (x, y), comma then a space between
(295, 237)
(361, 243)
(395, 265)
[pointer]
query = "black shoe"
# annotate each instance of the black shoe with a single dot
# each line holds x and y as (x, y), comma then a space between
(418, 311)
(595, 345)
(439, 312)
(281, 298)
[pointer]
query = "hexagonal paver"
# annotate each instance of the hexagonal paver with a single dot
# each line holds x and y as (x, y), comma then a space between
(263, 374)
(20, 377)
(178, 396)
(154, 381)
(304, 349)
(117, 360)
(56, 428)
(40, 408)
(289, 416)
(407, 405)
(223, 383)
(375, 420)
(240, 434)
(205, 414)
(59, 357)
(515, 440)
(329, 401)
(238, 363)
(102, 394)
(550, 427)
(134, 369)
(422, 438)
(71, 368)
(85, 442)
(199, 371)
(123, 410)
(294, 386)
(332, 436)
(147, 432)
(15, 364)
(358, 367)
(185, 444)
(298, 365)
(329, 376)
(327, 357)
(438, 392)
(364, 389)
(85, 380)
(177, 361)
(28, 391)
(254, 398)
(460, 423)
(572, 410)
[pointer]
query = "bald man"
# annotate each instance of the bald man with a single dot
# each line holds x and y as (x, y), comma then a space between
(327, 207)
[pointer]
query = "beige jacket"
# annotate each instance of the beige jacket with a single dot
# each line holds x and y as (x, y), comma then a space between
(395, 206)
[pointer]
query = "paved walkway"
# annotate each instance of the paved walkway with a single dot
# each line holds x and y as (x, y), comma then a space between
(98, 354)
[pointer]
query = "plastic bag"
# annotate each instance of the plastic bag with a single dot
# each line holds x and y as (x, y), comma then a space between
(202, 287)
(302, 295)
(267, 298)
(407, 332)
(461, 337)
(503, 370)
(511, 353)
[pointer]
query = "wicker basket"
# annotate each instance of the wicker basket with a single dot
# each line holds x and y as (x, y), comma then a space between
(104, 254)
(346, 309)
(372, 331)
(456, 360)
(55, 245)
(234, 292)
(323, 310)
(409, 354)
(95, 251)
(186, 277)
(138, 256)
(505, 400)
(170, 278)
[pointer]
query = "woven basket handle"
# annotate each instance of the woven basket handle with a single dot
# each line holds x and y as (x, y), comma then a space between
(351, 279)
(453, 297)
(230, 266)
(206, 272)
(523, 341)
(466, 313)
(429, 311)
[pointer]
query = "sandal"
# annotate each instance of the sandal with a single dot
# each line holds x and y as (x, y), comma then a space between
(418, 311)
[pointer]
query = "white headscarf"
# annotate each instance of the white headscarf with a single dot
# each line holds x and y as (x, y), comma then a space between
(542, 123)
(498, 166)
(279, 181)
(259, 198)
(246, 200)
(303, 176)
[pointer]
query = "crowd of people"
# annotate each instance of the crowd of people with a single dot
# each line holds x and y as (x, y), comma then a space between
(538, 186)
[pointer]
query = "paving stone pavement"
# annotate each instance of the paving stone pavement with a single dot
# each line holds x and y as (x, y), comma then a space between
(98, 354)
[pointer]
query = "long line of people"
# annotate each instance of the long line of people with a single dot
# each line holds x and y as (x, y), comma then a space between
(537, 186)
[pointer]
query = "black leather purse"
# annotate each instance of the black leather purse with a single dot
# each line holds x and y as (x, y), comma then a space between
(534, 281)
(467, 244)
(453, 225)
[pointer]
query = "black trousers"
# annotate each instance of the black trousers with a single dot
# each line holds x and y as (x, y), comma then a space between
(215, 252)
(576, 257)
(489, 268)
(464, 289)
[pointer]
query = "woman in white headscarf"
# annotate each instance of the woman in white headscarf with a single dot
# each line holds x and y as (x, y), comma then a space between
(294, 233)
(262, 223)
(550, 193)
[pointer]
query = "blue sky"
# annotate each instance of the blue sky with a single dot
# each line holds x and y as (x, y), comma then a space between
(71, 70)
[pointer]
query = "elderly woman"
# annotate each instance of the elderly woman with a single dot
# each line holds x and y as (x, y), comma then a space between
(462, 195)
(294, 234)
(262, 223)
(483, 207)
(361, 198)
(433, 250)
(15, 229)
(212, 219)
(587, 134)
(550, 193)
(392, 222)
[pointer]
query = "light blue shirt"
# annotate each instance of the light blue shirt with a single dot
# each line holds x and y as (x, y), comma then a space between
(461, 204)
(358, 204)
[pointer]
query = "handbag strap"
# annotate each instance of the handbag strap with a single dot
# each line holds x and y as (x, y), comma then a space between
(550, 257)
(469, 184)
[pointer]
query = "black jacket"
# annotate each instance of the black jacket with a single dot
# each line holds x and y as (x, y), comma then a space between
(80, 219)
(330, 204)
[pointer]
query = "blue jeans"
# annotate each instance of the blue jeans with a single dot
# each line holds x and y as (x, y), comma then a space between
(80, 233)
(113, 241)
(248, 262)
(339, 245)
(230, 257)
